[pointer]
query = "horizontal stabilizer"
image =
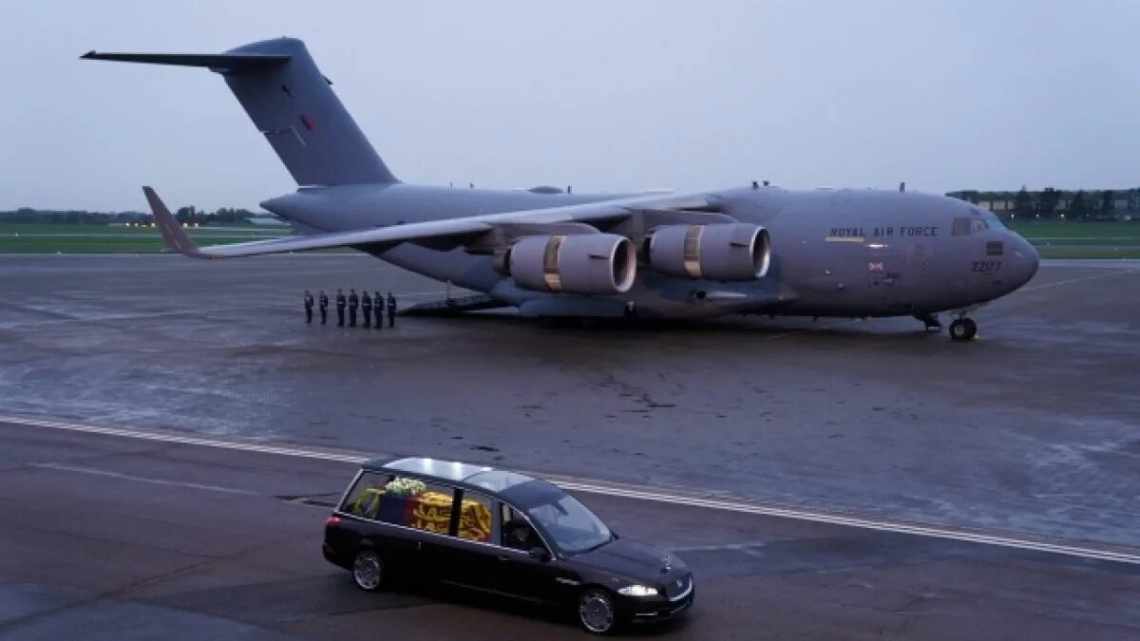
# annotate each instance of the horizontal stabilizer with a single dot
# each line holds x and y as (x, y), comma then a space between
(292, 104)
(234, 62)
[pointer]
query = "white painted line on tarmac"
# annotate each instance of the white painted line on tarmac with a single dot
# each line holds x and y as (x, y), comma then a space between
(140, 479)
(635, 493)
(1102, 263)
(201, 441)
(717, 547)
(861, 523)
(1070, 281)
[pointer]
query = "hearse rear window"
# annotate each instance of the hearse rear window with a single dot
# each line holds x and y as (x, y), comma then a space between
(364, 499)
(402, 500)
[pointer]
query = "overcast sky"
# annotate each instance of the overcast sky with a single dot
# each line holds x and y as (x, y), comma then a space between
(604, 95)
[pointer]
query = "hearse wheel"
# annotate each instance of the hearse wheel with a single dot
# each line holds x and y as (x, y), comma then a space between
(963, 329)
(368, 570)
(596, 611)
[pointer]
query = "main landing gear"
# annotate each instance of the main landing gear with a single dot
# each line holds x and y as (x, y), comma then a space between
(931, 321)
(963, 329)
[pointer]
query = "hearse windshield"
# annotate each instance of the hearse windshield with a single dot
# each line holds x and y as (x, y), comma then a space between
(571, 525)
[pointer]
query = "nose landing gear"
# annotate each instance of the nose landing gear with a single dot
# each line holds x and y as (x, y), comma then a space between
(963, 329)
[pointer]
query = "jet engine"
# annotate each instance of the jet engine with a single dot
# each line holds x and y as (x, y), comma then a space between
(723, 251)
(576, 264)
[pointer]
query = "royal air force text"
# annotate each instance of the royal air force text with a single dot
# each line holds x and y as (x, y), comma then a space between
(905, 231)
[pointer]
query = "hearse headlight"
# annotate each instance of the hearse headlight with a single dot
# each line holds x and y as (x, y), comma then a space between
(638, 591)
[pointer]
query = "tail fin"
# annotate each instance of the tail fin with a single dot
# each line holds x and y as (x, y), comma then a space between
(289, 101)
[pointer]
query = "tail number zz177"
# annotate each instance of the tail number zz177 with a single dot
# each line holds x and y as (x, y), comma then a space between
(986, 266)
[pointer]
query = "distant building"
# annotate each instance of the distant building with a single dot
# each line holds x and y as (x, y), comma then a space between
(996, 205)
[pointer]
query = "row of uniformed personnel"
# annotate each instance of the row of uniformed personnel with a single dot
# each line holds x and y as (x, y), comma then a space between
(351, 302)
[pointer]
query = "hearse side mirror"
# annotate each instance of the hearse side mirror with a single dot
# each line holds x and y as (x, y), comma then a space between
(539, 554)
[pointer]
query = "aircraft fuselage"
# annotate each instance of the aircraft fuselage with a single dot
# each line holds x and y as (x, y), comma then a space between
(834, 252)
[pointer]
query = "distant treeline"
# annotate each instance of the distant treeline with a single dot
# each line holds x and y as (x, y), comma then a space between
(1099, 204)
(72, 216)
(189, 214)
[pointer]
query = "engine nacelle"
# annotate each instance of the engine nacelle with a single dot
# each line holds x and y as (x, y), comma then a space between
(576, 264)
(724, 251)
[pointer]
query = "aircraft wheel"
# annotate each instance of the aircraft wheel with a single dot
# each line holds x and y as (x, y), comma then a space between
(963, 329)
(971, 328)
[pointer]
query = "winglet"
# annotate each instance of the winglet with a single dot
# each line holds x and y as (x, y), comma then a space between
(172, 233)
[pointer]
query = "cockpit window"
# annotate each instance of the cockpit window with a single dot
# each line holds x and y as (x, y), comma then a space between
(991, 218)
(976, 224)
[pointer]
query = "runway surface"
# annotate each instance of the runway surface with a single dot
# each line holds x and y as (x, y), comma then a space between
(1033, 428)
(120, 538)
(1028, 434)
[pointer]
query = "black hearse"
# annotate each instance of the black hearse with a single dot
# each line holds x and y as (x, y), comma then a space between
(499, 532)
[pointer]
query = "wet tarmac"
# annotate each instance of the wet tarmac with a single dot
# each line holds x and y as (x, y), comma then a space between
(1033, 429)
(116, 538)
(1031, 432)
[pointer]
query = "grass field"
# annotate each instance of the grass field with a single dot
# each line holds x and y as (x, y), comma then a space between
(1052, 239)
(108, 239)
(1083, 240)
(1055, 230)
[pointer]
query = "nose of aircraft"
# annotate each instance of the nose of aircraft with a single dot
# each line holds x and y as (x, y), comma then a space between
(1025, 259)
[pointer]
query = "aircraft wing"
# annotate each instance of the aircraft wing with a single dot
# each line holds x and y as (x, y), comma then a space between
(459, 230)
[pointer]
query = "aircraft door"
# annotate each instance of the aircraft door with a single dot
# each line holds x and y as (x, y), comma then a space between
(924, 285)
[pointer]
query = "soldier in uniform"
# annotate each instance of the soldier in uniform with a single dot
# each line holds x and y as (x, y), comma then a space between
(379, 309)
(308, 307)
(391, 310)
(366, 307)
(323, 304)
(353, 303)
(339, 307)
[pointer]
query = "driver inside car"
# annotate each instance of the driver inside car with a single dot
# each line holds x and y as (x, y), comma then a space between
(518, 535)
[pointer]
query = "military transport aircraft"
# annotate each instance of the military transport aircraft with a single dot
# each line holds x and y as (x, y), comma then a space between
(753, 249)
